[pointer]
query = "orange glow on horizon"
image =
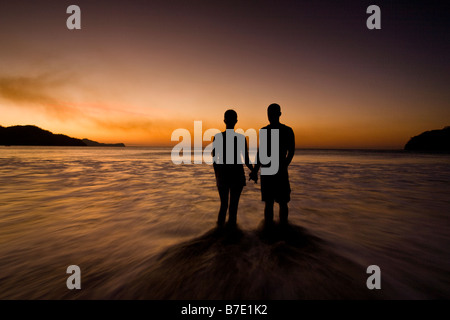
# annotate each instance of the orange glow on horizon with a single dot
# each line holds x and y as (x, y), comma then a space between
(127, 128)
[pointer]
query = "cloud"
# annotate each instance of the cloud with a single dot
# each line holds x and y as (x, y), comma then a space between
(45, 93)
(38, 93)
(129, 124)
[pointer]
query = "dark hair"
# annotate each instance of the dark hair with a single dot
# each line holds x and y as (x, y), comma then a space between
(230, 115)
(274, 108)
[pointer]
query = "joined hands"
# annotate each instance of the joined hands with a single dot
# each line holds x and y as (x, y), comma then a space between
(254, 175)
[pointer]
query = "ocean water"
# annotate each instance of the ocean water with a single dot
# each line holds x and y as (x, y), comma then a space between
(140, 227)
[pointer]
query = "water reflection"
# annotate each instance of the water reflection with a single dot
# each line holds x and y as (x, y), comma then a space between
(114, 212)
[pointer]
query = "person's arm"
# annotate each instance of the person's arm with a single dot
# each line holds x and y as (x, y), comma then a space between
(213, 152)
(246, 156)
(257, 162)
(254, 173)
(291, 148)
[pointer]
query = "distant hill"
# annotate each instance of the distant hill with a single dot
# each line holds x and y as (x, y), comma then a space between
(91, 143)
(35, 136)
(431, 141)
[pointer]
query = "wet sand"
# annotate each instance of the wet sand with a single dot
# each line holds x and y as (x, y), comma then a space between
(267, 263)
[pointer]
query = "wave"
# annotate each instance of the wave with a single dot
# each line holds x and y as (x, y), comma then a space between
(278, 262)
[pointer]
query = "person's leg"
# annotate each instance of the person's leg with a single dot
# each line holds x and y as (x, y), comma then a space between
(268, 211)
(235, 194)
(284, 211)
(223, 193)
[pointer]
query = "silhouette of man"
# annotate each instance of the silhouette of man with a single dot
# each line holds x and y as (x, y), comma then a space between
(276, 188)
(229, 171)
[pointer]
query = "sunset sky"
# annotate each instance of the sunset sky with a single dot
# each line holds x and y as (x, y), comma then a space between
(137, 70)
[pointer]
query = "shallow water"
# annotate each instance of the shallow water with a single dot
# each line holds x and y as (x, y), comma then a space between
(141, 227)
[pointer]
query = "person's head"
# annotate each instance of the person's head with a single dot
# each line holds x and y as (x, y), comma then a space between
(230, 118)
(274, 113)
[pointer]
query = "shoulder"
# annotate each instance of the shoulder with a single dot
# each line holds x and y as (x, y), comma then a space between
(286, 128)
(219, 136)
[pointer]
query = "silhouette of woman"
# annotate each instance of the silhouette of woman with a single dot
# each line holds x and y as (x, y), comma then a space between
(229, 148)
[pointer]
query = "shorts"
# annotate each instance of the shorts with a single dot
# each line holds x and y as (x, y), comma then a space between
(276, 187)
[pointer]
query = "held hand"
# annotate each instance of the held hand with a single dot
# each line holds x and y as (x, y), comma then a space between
(254, 176)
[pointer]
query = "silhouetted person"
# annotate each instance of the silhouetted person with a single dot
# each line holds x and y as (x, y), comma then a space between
(230, 176)
(276, 188)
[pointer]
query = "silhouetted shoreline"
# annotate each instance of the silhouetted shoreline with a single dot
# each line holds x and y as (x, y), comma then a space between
(435, 141)
(91, 143)
(34, 136)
